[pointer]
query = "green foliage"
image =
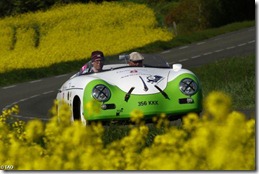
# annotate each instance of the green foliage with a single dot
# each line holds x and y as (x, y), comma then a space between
(187, 14)
(195, 15)
(190, 15)
(222, 12)
(240, 86)
(14, 7)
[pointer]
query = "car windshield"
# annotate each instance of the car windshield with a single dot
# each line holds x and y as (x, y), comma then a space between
(150, 60)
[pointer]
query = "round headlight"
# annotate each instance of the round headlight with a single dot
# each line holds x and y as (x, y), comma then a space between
(188, 86)
(101, 93)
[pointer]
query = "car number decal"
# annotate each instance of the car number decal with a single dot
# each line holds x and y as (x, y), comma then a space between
(146, 103)
(154, 79)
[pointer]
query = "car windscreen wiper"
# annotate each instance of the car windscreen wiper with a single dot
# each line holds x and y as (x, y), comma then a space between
(127, 96)
(162, 92)
(145, 86)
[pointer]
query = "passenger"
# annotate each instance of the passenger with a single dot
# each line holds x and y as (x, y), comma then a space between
(136, 59)
(95, 64)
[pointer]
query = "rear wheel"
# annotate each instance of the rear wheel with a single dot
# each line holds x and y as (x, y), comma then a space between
(76, 108)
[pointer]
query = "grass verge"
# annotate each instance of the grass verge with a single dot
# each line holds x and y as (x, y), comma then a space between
(235, 76)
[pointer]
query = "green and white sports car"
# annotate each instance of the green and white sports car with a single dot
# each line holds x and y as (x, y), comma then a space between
(119, 89)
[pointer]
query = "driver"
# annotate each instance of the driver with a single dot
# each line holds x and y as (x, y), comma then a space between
(136, 59)
(95, 64)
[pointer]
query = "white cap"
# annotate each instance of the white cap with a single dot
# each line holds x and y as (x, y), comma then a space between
(135, 56)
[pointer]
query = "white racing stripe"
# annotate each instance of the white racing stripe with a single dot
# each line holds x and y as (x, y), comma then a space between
(200, 43)
(228, 48)
(167, 51)
(31, 118)
(216, 51)
(22, 100)
(34, 96)
(183, 60)
(183, 47)
(63, 75)
(242, 44)
(35, 81)
(48, 92)
(7, 87)
(25, 99)
(195, 57)
(208, 53)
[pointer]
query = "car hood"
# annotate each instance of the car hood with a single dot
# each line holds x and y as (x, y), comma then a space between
(143, 80)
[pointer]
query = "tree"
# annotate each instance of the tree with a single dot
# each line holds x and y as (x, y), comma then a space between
(222, 12)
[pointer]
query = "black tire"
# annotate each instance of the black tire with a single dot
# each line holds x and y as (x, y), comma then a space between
(77, 108)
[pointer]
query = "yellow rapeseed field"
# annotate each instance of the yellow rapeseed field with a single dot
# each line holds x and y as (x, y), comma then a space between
(72, 32)
(221, 139)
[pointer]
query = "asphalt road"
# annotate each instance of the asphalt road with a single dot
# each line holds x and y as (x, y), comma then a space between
(236, 43)
(35, 98)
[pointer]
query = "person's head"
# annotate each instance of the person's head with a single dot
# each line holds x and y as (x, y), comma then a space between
(136, 59)
(97, 59)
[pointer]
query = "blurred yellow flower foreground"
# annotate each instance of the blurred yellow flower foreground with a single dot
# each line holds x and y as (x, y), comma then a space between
(221, 139)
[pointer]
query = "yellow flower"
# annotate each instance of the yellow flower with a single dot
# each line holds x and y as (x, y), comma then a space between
(144, 130)
(93, 107)
(136, 116)
(250, 126)
(87, 25)
(15, 109)
(34, 130)
(201, 144)
(218, 104)
(190, 121)
(161, 120)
